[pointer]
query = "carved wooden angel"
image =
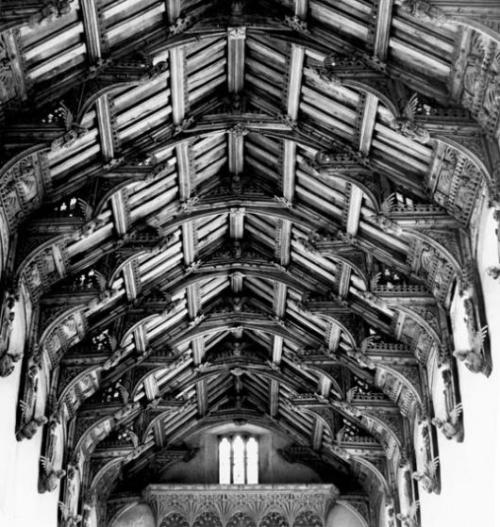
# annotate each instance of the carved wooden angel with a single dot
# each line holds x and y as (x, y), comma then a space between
(68, 518)
(410, 519)
(406, 125)
(51, 475)
(428, 477)
(473, 358)
(451, 426)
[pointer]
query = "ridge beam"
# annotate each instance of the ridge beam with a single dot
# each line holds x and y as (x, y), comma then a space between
(184, 168)
(383, 29)
(236, 38)
(301, 8)
(295, 70)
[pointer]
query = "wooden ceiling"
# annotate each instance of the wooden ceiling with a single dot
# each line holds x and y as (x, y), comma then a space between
(216, 211)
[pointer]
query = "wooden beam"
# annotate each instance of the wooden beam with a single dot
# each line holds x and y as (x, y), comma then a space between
(383, 29)
(354, 210)
(367, 125)
(120, 212)
(301, 8)
(92, 29)
(317, 434)
(274, 398)
(236, 38)
(173, 10)
(295, 69)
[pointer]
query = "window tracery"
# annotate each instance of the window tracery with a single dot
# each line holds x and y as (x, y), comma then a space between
(238, 460)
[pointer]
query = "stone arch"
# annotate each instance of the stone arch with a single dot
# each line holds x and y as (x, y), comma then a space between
(343, 514)
(130, 515)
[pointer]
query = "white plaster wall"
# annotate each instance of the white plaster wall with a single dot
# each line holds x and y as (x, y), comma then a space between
(20, 503)
(470, 471)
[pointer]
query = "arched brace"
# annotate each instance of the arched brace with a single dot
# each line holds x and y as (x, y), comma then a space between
(469, 154)
(369, 468)
(70, 397)
(99, 430)
(390, 442)
(380, 376)
(128, 337)
(430, 254)
(149, 432)
(356, 269)
(67, 329)
(99, 482)
(104, 201)
(438, 246)
(322, 373)
(327, 424)
(372, 479)
(122, 510)
(420, 322)
(116, 272)
(394, 452)
(49, 257)
(339, 324)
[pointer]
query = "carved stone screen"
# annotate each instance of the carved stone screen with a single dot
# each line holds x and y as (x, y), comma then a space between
(241, 505)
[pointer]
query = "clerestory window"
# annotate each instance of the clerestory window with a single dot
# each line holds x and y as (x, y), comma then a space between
(238, 460)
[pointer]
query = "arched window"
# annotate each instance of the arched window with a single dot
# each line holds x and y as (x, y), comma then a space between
(238, 460)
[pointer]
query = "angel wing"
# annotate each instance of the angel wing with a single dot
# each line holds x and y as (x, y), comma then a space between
(124, 393)
(67, 116)
(388, 204)
(478, 339)
(24, 408)
(374, 280)
(64, 510)
(410, 110)
(113, 342)
(134, 438)
(46, 464)
(456, 412)
(86, 210)
(101, 280)
(349, 396)
(367, 342)
(412, 512)
(433, 465)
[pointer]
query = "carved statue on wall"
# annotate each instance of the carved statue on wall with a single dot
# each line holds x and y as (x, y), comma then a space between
(428, 478)
(51, 476)
(473, 357)
(29, 429)
(451, 426)
(8, 357)
(68, 518)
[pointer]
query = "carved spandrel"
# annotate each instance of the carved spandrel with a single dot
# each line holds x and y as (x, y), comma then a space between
(23, 187)
(475, 80)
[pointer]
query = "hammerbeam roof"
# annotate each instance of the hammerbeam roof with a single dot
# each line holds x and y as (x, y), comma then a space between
(219, 209)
